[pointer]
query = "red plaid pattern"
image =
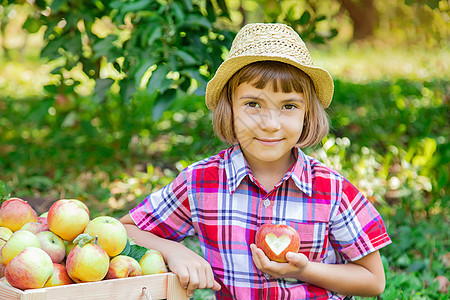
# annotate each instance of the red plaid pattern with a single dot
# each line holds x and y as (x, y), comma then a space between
(219, 199)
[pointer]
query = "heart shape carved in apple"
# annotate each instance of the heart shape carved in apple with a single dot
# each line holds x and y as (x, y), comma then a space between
(276, 240)
(277, 244)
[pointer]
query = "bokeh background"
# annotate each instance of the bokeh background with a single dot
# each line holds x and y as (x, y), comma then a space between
(103, 101)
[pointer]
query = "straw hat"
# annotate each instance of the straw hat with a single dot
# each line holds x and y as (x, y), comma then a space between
(275, 42)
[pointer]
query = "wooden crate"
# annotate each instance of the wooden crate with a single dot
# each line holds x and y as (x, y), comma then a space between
(158, 286)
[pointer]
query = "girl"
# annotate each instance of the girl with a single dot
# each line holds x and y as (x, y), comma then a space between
(268, 100)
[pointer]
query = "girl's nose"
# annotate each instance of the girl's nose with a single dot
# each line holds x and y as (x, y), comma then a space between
(270, 120)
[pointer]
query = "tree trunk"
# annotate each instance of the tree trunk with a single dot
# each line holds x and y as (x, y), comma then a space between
(364, 16)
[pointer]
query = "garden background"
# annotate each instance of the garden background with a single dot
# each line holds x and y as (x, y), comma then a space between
(103, 101)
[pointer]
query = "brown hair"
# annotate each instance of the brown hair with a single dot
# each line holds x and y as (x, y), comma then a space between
(282, 76)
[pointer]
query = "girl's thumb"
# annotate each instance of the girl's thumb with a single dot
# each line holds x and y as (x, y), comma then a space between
(297, 259)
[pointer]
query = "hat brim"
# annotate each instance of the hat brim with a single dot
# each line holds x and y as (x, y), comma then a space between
(323, 83)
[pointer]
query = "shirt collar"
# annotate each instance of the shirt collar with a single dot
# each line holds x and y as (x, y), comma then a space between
(237, 169)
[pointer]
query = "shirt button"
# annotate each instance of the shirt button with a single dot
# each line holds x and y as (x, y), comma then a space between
(266, 203)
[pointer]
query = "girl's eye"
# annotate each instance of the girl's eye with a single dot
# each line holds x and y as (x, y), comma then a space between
(289, 106)
(252, 104)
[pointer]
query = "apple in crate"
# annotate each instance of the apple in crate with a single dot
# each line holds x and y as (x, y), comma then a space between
(68, 218)
(5, 234)
(112, 235)
(123, 266)
(59, 277)
(14, 213)
(87, 261)
(30, 269)
(17, 243)
(36, 227)
(152, 263)
(69, 246)
(53, 245)
(276, 240)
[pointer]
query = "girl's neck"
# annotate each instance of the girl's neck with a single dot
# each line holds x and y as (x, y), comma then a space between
(270, 173)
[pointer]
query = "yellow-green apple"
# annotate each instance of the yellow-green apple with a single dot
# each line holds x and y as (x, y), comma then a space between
(87, 261)
(18, 241)
(122, 266)
(276, 240)
(68, 218)
(15, 212)
(111, 233)
(69, 246)
(30, 269)
(5, 234)
(43, 215)
(152, 263)
(53, 245)
(59, 277)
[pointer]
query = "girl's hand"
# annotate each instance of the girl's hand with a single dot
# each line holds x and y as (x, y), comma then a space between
(297, 262)
(193, 270)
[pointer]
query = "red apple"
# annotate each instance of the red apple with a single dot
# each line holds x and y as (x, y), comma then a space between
(17, 243)
(53, 245)
(30, 269)
(112, 235)
(36, 227)
(276, 240)
(123, 266)
(15, 212)
(68, 218)
(87, 261)
(152, 263)
(59, 277)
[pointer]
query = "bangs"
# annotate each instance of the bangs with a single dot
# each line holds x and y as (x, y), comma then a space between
(281, 76)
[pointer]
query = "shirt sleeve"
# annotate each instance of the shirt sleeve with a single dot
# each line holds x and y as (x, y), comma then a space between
(357, 228)
(166, 212)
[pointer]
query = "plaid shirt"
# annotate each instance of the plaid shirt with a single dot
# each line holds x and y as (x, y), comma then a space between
(219, 199)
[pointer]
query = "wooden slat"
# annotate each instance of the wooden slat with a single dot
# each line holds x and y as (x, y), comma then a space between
(159, 286)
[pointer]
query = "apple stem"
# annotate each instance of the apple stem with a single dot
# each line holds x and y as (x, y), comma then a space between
(96, 240)
(3, 239)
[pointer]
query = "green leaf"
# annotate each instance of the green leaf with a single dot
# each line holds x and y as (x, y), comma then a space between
(137, 252)
(157, 79)
(163, 102)
(32, 25)
(304, 19)
(101, 87)
(2, 190)
(127, 248)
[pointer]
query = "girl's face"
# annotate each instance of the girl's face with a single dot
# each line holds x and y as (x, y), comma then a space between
(267, 124)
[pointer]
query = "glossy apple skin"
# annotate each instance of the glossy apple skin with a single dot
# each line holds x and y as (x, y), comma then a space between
(278, 230)
(53, 245)
(14, 213)
(152, 263)
(30, 269)
(88, 263)
(17, 243)
(59, 277)
(112, 235)
(68, 218)
(5, 234)
(123, 266)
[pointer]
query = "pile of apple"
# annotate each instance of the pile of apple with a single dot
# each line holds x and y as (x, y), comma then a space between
(64, 246)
